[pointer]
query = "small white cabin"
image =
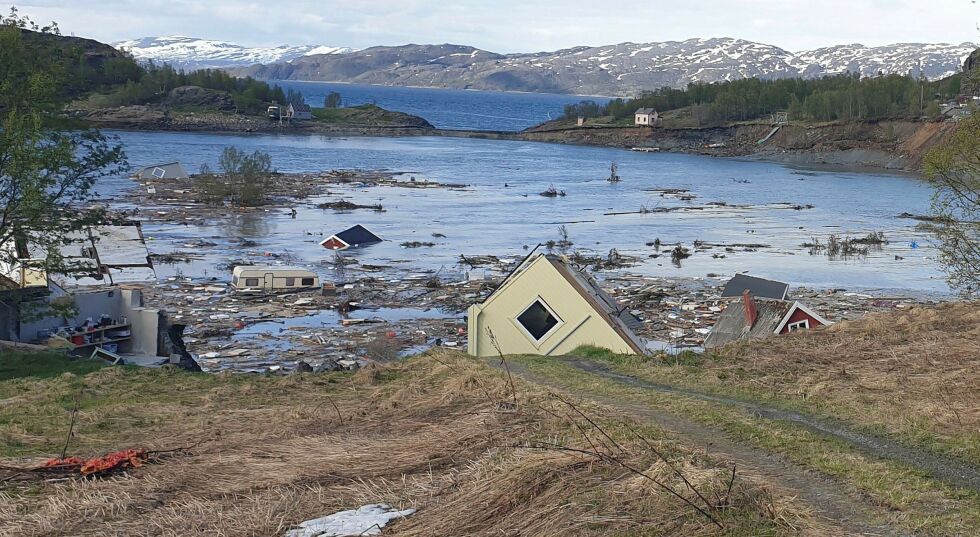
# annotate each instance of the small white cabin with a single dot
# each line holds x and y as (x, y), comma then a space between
(273, 278)
(646, 117)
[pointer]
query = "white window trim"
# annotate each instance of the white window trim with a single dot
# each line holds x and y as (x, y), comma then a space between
(804, 324)
(538, 343)
(162, 172)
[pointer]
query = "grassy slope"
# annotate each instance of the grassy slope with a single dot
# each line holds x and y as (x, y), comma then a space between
(905, 497)
(438, 433)
(909, 375)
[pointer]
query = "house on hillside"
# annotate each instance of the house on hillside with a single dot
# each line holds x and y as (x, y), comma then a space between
(300, 112)
(752, 317)
(646, 117)
(353, 237)
(757, 287)
(170, 170)
(548, 307)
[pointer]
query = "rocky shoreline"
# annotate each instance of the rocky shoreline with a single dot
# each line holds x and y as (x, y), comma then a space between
(889, 145)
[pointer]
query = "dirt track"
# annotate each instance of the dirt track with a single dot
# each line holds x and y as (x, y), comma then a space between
(844, 508)
(948, 470)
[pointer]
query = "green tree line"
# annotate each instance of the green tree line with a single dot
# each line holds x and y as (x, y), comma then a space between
(86, 67)
(153, 82)
(841, 97)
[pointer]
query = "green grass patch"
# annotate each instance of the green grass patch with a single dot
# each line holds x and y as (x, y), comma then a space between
(15, 364)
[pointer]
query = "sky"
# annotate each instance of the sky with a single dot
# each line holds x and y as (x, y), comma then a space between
(516, 25)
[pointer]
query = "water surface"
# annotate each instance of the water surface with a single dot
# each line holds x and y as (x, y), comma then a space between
(448, 108)
(501, 212)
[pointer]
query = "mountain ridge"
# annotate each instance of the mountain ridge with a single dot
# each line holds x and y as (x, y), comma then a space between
(192, 53)
(622, 69)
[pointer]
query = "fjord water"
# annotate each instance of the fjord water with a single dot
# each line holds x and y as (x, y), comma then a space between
(448, 108)
(501, 212)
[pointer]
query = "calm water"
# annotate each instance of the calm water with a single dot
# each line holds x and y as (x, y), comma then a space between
(489, 218)
(447, 108)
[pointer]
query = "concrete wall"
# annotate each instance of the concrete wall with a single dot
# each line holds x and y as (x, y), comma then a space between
(117, 303)
(145, 323)
(580, 323)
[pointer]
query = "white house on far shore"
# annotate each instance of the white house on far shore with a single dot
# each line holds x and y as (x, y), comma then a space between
(646, 117)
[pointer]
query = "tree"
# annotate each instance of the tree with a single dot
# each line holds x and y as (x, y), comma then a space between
(954, 169)
(332, 100)
(248, 176)
(46, 174)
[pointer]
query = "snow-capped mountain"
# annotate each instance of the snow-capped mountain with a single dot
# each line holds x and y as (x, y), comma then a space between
(623, 69)
(193, 53)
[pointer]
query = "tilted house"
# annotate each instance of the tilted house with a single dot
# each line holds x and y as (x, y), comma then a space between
(171, 170)
(548, 307)
(353, 237)
(646, 117)
(752, 317)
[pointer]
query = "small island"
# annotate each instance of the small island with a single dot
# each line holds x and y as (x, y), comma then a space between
(108, 88)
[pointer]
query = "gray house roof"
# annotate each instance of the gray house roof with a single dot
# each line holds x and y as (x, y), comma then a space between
(617, 315)
(731, 325)
(757, 287)
(646, 111)
(170, 170)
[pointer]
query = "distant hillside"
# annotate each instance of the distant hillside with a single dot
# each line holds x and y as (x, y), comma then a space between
(623, 69)
(191, 53)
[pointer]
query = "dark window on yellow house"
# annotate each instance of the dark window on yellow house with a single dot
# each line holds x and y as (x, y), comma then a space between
(538, 320)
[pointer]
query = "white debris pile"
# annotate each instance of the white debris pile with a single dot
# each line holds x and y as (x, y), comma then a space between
(366, 520)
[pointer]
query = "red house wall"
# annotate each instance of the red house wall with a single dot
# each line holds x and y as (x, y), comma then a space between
(798, 316)
(333, 243)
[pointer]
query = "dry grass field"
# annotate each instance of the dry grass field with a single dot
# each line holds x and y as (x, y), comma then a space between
(439, 433)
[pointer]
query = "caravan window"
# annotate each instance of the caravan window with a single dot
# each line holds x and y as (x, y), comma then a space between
(538, 320)
(307, 281)
(251, 282)
(290, 282)
(159, 173)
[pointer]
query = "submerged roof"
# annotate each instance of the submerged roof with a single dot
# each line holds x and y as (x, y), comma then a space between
(169, 170)
(731, 324)
(757, 287)
(357, 235)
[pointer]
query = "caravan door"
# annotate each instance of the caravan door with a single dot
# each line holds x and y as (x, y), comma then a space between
(268, 281)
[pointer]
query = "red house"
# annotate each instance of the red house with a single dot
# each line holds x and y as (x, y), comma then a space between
(753, 317)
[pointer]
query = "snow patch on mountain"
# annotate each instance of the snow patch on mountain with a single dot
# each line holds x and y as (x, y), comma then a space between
(194, 53)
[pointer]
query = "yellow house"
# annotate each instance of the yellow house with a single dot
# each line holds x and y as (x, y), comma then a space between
(549, 308)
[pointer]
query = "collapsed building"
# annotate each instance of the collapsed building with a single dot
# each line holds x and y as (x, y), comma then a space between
(92, 307)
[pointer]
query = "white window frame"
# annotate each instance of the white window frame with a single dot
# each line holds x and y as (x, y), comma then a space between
(159, 172)
(538, 342)
(798, 325)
